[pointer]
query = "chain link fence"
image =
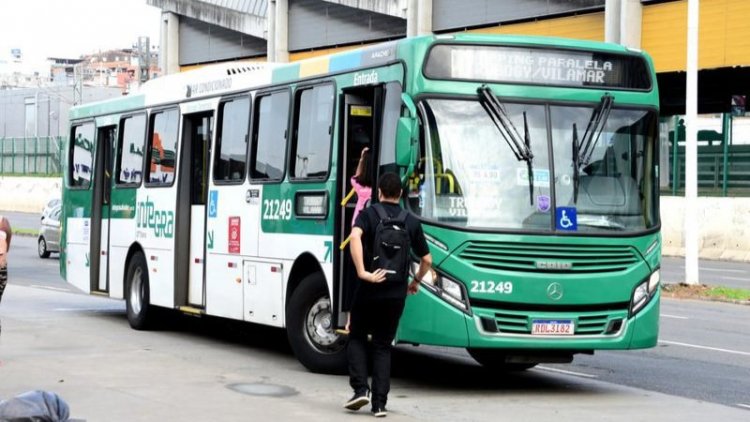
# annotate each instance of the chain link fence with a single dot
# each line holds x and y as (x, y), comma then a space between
(38, 156)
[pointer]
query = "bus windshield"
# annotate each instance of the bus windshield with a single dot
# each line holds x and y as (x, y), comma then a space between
(469, 177)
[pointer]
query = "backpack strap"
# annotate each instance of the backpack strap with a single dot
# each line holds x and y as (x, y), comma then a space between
(382, 215)
(401, 217)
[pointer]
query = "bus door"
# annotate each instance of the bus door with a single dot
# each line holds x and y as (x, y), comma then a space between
(193, 193)
(360, 118)
(100, 212)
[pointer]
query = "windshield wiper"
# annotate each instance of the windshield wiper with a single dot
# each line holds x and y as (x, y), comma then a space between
(594, 128)
(582, 152)
(521, 146)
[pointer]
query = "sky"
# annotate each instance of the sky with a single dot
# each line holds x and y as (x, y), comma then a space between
(71, 28)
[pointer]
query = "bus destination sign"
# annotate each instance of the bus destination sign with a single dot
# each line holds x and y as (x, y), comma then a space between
(528, 65)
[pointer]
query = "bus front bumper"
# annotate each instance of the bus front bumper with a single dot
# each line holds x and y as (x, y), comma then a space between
(429, 320)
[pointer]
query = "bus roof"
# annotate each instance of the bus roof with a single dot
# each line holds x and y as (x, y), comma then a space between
(223, 78)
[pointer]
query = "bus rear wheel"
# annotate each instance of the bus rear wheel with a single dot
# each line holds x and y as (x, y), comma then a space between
(495, 360)
(310, 329)
(137, 293)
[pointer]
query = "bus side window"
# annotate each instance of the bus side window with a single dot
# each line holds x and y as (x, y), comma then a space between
(270, 136)
(130, 147)
(162, 148)
(81, 150)
(231, 140)
(311, 145)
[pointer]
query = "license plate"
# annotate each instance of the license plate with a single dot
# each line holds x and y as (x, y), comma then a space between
(553, 327)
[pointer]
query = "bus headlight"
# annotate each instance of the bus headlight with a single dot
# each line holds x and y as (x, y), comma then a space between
(444, 287)
(644, 292)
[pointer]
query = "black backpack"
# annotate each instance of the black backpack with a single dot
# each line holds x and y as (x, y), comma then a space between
(391, 244)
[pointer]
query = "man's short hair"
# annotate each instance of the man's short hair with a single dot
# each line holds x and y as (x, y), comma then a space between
(390, 185)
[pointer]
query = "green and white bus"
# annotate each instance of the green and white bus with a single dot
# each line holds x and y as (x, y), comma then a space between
(531, 162)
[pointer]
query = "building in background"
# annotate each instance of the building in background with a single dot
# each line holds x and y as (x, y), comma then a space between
(199, 32)
(196, 32)
(35, 98)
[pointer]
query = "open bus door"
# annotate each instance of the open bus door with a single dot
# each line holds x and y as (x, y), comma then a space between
(369, 115)
(190, 246)
(100, 209)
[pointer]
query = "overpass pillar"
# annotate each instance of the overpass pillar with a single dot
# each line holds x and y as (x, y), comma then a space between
(424, 17)
(411, 18)
(631, 17)
(169, 45)
(280, 10)
(622, 22)
(612, 21)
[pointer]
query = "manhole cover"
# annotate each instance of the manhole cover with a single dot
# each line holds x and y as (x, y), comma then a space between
(269, 390)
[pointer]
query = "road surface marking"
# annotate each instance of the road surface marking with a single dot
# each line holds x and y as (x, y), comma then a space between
(49, 288)
(737, 278)
(674, 316)
(562, 371)
(722, 270)
(675, 343)
(85, 309)
(746, 406)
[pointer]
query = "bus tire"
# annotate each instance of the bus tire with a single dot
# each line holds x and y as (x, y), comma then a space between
(310, 328)
(137, 296)
(495, 360)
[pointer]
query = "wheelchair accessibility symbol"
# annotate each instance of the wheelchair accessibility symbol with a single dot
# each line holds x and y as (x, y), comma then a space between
(213, 199)
(566, 218)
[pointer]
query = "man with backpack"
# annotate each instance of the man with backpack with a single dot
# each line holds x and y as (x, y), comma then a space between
(380, 242)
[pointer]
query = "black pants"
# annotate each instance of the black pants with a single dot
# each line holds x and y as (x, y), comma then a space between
(3, 283)
(3, 280)
(380, 319)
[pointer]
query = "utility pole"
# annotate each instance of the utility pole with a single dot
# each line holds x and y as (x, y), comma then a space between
(691, 222)
(144, 59)
(78, 83)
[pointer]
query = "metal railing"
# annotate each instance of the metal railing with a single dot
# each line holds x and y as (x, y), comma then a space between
(39, 156)
(712, 168)
(723, 168)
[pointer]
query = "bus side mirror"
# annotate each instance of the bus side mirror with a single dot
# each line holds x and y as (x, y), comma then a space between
(407, 136)
(406, 141)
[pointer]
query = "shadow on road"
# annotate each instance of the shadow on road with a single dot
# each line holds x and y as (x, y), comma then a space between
(439, 372)
(419, 367)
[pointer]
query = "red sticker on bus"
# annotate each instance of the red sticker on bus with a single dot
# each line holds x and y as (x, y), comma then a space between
(234, 235)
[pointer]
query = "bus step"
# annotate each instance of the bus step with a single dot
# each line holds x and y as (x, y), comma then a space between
(191, 310)
(99, 293)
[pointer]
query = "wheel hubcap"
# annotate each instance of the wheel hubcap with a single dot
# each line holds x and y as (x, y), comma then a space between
(319, 327)
(42, 246)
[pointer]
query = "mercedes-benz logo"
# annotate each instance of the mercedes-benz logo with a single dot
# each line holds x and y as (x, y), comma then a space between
(555, 291)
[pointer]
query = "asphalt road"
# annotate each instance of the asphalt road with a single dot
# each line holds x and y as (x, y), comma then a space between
(210, 369)
(703, 352)
(712, 273)
(23, 220)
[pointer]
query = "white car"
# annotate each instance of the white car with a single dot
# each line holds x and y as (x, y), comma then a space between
(51, 205)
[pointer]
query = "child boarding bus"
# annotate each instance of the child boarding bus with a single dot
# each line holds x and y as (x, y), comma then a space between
(531, 162)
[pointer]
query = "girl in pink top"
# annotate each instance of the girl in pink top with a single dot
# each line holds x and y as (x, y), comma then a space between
(362, 182)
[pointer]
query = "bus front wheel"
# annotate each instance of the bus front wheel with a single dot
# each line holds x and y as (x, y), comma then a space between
(310, 329)
(495, 360)
(137, 293)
